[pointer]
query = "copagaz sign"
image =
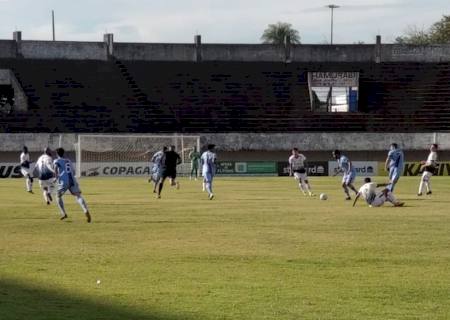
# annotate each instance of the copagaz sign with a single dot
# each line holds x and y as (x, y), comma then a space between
(10, 170)
(314, 168)
(92, 169)
(363, 168)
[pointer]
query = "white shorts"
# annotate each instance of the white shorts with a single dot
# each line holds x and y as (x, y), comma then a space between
(379, 200)
(426, 175)
(300, 176)
(25, 171)
(49, 184)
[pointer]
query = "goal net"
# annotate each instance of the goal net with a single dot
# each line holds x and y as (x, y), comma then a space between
(128, 155)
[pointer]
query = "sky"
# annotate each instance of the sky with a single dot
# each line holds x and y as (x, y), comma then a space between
(218, 21)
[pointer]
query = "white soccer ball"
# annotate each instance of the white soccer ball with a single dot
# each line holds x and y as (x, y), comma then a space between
(323, 196)
(99, 281)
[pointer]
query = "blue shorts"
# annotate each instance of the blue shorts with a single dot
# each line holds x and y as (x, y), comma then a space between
(72, 187)
(208, 177)
(349, 178)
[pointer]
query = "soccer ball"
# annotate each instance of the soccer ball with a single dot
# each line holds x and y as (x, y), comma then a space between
(323, 196)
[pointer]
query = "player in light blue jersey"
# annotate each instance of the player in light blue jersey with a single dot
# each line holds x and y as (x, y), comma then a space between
(65, 176)
(157, 167)
(394, 165)
(345, 166)
(208, 161)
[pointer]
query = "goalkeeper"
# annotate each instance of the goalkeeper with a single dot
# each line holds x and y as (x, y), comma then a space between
(194, 156)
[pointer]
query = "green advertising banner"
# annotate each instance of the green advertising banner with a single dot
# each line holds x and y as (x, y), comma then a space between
(248, 167)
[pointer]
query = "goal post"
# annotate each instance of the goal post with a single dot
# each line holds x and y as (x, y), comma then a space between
(128, 155)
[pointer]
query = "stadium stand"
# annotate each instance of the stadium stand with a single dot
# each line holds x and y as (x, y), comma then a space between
(151, 96)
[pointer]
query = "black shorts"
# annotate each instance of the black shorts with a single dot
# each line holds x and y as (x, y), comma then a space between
(301, 170)
(169, 173)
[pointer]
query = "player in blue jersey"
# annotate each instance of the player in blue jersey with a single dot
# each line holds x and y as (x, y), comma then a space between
(345, 166)
(394, 165)
(208, 161)
(157, 167)
(65, 177)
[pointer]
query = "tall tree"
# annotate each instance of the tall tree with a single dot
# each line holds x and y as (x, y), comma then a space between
(276, 33)
(438, 33)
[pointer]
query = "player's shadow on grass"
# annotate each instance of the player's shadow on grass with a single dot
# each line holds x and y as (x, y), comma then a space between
(19, 301)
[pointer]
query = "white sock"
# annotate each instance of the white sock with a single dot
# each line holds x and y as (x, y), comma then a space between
(82, 203)
(421, 186)
(428, 185)
(209, 188)
(46, 199)
(203, 186)
(60, 203)
(29, 184)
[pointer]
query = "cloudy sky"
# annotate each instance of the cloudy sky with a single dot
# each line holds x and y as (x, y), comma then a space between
(218, 21)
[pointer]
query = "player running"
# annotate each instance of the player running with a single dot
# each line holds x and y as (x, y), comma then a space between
(66, 181)
(297, 169)
(46, 174)
(156, 167)
(169, 163)
(394, 165)
(208, 160)
(376, 198)
(429, 168)
(345, 166)
(25, 169)
(194, 156)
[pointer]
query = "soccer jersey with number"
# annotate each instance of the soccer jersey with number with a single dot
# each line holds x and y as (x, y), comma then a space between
(44, 166)
(65, 172)
(298, 162)
(208, 160)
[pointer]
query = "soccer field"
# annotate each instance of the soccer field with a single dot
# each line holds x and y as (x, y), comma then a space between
(259, 250)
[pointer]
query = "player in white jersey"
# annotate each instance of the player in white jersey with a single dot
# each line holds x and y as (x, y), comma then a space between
(156, 168)
(297, 169)
(208, 161)
(46, 174)
(376, 198)
(429, 168)
(25, 169)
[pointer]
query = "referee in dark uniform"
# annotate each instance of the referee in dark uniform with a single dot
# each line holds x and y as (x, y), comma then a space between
(169, 164)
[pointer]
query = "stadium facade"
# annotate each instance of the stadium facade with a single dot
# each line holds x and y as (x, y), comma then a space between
(255, 101)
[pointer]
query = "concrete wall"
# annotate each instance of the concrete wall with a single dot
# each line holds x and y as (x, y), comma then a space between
(233, 142)
(155, 51)
(223, 52)
(62, 50)
(242, 52)
(334, 53)
(7, 49)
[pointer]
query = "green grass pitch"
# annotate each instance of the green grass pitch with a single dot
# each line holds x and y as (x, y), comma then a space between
(259, 250)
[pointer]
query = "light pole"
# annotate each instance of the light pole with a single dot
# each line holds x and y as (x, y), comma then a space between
(332, 7)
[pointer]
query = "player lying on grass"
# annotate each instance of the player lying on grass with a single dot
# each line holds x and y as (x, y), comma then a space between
(429, 168)
(376, 198)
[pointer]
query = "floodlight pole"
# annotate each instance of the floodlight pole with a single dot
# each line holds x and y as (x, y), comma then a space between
(53, 24)
(332, 7)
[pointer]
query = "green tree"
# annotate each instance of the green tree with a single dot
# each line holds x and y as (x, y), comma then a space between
(414, 35)
(438, 33)
(276, 33)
